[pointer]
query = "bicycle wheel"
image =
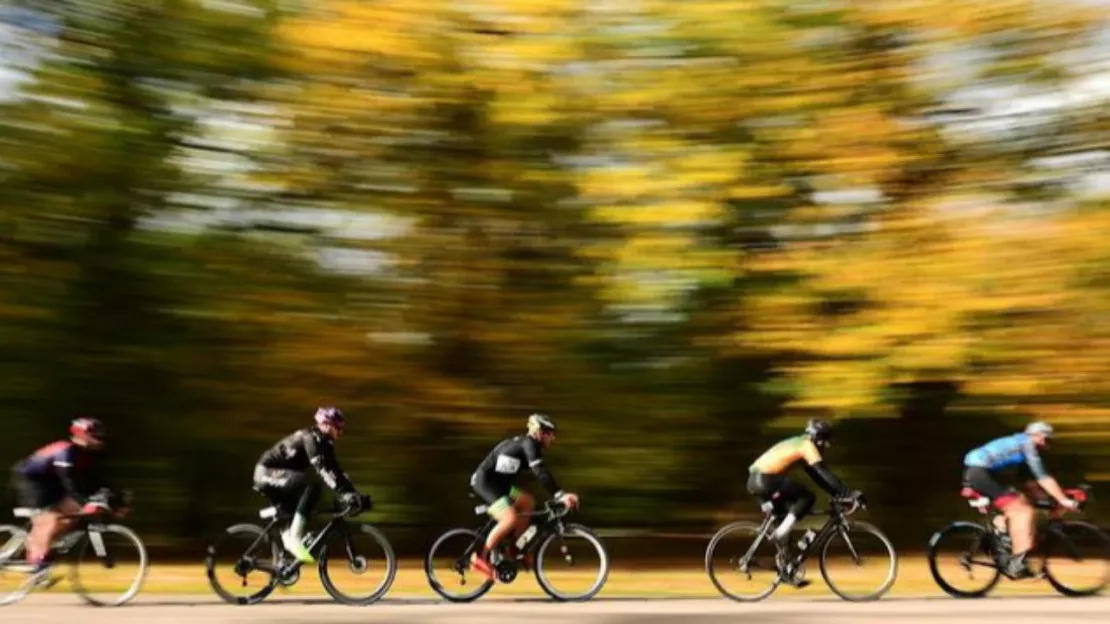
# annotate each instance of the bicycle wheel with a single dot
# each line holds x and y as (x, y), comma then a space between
(1077, 558)
(14, 578)
(969, 547)
(110, 565)
(563, 571)
(246, 558)
(864, 561)
(740, 552)
(452, 551)
(365, 553)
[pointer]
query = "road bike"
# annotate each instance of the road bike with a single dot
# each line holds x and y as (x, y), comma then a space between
(1065, 549)
(547, 534)
(108, 561)
(256, 562)
(862, 548)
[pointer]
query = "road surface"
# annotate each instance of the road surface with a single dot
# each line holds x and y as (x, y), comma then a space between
(783, 610)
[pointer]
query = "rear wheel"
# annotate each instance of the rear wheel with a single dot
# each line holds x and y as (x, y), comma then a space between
(1077, 558)
(740, 561)
(961, 560)
(242, 564)
(449, 570)
(14, 569)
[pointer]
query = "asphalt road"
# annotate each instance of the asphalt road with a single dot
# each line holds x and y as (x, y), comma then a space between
(178, 609)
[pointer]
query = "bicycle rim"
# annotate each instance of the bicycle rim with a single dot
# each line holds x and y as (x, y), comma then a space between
(1077, 550)
(864, 561)
(735, 555)
(246, 558)
(14, 578)
(447, 567)
(110, 567)
(962, 550)
(555, 575)
(361, 554)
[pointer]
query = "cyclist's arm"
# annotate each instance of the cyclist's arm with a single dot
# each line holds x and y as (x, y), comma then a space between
(1045, 480)
(63, 468)
(817, 470)
(535, 461)
(327, 466)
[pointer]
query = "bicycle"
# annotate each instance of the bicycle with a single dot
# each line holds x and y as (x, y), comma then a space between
(91, 543)
(784, 568)
(266, 556)
(989, 548)
(545, 528)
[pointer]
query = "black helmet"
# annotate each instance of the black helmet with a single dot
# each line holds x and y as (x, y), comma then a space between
(818, 430)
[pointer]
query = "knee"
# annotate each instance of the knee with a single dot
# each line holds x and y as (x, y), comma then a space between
(509, 516)
(525, 502)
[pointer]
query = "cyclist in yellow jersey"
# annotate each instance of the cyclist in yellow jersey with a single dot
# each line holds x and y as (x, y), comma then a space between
(767, 475)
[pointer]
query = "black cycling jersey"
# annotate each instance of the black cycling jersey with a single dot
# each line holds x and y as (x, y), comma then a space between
(506, 459)
(304, 448)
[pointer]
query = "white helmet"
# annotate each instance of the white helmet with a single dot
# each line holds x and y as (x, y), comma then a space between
(540, 422)
(1040, 428)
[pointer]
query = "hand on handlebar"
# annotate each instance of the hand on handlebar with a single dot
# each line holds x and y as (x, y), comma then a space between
(569, 499)
(1070, 504)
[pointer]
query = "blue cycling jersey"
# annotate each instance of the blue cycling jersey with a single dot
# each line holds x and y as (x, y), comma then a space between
(1007, 452)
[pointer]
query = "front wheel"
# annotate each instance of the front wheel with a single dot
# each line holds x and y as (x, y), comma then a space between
(110, 566)
(962, 562)
(448, 567)
(861, 560)
(359, 552)
(1077, 558)
(743, 553)
(565, 569)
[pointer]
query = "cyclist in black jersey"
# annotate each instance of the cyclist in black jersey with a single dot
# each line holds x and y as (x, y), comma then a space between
(282, 474)
(495, 483)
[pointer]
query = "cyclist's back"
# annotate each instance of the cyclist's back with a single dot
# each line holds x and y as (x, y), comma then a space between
(781, 457)
(1005, 452)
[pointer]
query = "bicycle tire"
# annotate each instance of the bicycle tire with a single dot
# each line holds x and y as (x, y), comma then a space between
(710, 569)
(892, 570)
(1052, 540)
(436, 586)
(136, 585)
(599, 582)
(984, 548)
(382, 589)
(9, 547)
(210, 567)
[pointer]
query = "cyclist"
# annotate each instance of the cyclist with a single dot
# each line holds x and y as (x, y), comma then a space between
(282, 475)
(494, 482)
(767, 477)
(981, 468)
(53, 481)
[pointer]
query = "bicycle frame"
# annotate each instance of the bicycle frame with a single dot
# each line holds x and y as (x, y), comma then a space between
(551, 522)
(337, 522)
(836, 522)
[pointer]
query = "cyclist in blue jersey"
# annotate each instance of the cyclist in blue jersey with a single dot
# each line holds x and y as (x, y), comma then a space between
(1020, 450)
(54, 481)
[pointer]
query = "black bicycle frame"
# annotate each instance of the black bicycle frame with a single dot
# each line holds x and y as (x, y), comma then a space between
(337, 522)
(549, 523)
(834, 523)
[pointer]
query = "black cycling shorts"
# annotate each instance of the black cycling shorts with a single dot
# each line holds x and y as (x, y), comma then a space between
(284, 487)
(782, 491)
(983, 481)
(38, 493)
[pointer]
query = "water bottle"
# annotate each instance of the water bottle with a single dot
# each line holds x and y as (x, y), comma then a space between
(520, 542)
(806, 540)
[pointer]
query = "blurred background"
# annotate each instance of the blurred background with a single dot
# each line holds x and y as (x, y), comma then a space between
(680, 228)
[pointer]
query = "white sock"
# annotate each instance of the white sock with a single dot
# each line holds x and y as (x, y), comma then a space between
(787, 524)
(296, 527)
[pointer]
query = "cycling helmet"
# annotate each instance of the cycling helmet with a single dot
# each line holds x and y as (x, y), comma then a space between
(818, 430)
(88, 428)
(330, 416)
(1040, 428)
(540, 422)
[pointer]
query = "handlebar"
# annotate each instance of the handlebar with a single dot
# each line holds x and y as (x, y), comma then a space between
(853, 503)
(1082, 494)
